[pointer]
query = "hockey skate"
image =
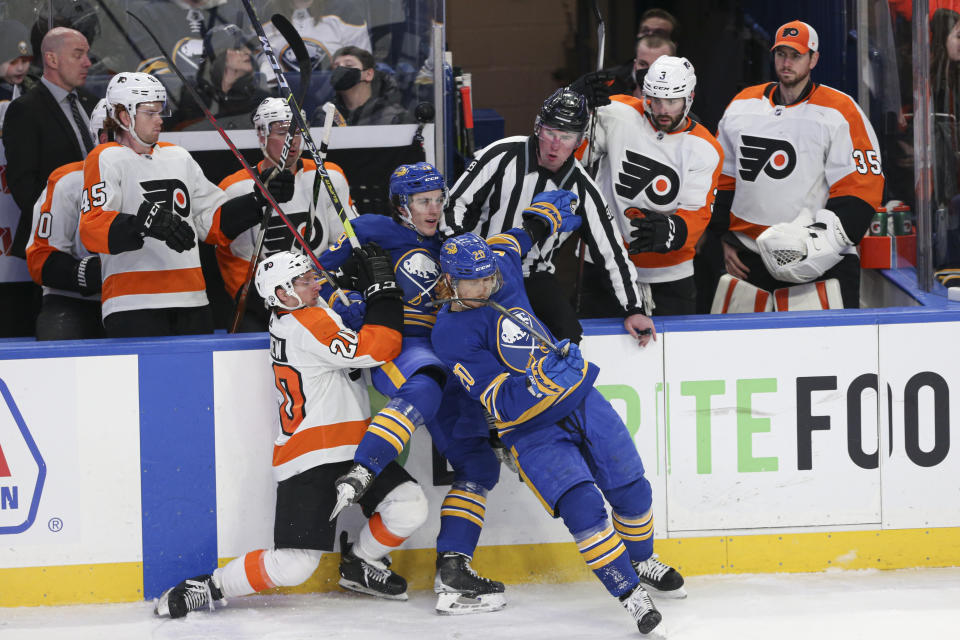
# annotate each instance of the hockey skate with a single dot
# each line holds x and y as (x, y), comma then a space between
(350, 487)
(372, 578)
(202, 591)
(460, 590)
(639, 605)
(660, 579)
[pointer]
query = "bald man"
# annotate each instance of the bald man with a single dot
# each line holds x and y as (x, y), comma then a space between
(45, 128)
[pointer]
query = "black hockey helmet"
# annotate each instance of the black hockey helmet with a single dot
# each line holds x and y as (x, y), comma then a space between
(565, 110)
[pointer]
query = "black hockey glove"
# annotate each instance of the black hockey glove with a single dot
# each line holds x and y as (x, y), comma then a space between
(371, 271)
(280, 186)
(88, 275)
(163, 224)
(595, 87)
(657, 232)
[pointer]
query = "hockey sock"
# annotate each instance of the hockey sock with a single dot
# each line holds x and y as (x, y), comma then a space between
(398, 515)
(461, 518)
(390, 430)
(636, 533)
(267, 568)
(604, 553)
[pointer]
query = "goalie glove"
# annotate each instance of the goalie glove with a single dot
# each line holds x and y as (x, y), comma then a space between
(795, 253)
(657, 232)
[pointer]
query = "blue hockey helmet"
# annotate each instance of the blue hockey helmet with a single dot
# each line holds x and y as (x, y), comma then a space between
(408, 179)
(467, 257)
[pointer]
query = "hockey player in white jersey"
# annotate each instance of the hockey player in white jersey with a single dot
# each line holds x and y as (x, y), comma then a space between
(58, 261)
(143, 206)
(324, 412)
(801, 177)
(658, 172)
(317, 222)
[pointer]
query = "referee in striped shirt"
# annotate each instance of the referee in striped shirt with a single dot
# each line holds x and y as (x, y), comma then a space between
(491, 194)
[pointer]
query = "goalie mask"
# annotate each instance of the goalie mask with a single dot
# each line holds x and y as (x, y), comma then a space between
(280, 270)
(670, 77)
(129, 89)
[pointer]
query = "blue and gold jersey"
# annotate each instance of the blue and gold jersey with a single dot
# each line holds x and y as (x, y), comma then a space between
(414, 262)
(489, 354)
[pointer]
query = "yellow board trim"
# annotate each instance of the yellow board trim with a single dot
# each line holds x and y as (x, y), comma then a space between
(541, 563)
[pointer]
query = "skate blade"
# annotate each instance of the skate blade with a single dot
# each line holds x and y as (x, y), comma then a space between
(359, 588)
(458, 604)
(673, 594)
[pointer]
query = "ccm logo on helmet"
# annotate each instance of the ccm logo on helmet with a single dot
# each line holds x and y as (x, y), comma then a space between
(171, 194)
(776, 158)
(659, 182)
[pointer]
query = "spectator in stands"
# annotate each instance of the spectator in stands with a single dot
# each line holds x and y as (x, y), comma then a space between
(44, 128)
(365, 96)
(627, 78)
(945, 94)
(225, 80)
(15, 57)
(658, 22)
(326, 27)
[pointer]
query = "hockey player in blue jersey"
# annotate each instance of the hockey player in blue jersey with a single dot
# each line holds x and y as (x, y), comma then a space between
(572, 448)
(420, 392)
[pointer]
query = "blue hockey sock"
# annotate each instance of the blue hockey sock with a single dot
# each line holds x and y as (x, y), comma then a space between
(636, 533)
(605, 554)
(461, 518)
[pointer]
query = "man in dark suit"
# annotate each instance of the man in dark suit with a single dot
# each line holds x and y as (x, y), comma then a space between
(44, 128)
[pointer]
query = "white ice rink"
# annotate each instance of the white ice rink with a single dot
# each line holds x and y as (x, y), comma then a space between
(870, 605)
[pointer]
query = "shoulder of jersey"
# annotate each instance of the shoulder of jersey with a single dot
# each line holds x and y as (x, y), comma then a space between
(374, 226)
(829, 97)
(64, 170)
(623, 103)
(237, 176)
(751, 93)
(700, 131)
(503, 145)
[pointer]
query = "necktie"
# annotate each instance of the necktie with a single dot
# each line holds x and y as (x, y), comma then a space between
(81, 125)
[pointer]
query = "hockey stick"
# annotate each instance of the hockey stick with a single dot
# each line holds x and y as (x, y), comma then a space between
(582, 245)
(541, 337)
(299, 120)
(305, 73)
(236, 152)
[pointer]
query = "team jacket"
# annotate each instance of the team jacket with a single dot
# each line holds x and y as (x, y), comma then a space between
(235, 258)
(489, 354)
(415, 264)
(820, 152)
(322, 36)
(54, 246)
(642, 168)
(323, 402)
(117, 183)
(491, 194)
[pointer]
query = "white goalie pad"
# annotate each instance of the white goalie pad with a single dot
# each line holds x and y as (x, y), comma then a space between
(812, 296)
(738, 296)
(795, 253)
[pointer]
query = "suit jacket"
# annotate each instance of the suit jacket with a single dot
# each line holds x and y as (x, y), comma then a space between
(37, 139)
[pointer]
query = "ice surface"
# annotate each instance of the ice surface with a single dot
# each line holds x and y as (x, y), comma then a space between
(868, 605)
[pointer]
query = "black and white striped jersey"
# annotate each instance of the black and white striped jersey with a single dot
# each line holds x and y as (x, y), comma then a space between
(501, 181)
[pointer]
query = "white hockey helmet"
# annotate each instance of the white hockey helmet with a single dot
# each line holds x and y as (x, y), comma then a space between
(97, 117)
(130, 88)
(280, 270)
(270, 110)
(671, 77)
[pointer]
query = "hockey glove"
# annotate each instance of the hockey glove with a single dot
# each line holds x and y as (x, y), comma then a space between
(595, 87)
(350, 487)
(280, 185)
(795, 253)
(553, 374)
(552, 210)
(657, 232)
(351, 314)
(88, 275)
(163, 224)
(371, 271)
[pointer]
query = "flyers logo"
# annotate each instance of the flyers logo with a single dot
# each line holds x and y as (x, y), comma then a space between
(171, 194)
(776, 158)
(659, 182)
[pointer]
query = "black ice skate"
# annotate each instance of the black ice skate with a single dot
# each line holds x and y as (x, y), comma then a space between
(660, 579)
(372, 578)
(460, 590)
(202, 591)
(639, 605)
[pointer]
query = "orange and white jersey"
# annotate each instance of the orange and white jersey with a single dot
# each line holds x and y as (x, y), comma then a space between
(324, 407)
(644, 168)
(56, 217)
(781, 159)
(118, 180)
(235, 258)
